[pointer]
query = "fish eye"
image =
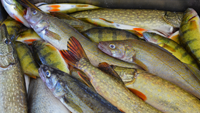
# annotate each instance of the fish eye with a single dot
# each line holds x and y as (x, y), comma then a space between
(7, 41)
(48, 73)
(112, 46)
(34, 12)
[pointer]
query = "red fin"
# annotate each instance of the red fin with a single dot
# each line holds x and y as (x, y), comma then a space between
(139, 30)
(74, 53)
(85, 79)
(138, 93)
(121, 110)
(30, 40)
(54, 8)
(106, 20)
(17, 19)
(108, 69)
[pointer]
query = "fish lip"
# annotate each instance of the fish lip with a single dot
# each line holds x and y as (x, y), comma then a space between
(26, 14)
(103, 49)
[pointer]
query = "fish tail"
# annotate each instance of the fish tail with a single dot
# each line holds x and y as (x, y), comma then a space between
(74, 53)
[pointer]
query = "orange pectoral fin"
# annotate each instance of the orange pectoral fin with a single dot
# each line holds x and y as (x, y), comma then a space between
(54, 8)
(85, 79)
(140, 64)
(18, 19)
(138, 93)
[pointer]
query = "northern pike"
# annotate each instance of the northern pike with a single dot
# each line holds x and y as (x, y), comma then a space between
(160, 93)
(108, 34)
(155, 60)
(57, 32)
(49, 55)
(75, 95)
(26, 59)
(106, 85)
(190, 33)
(41, 99)
(177, 50)
(79, 25)
(28, 36)
(12, 86)
(163, 21)
(15, 10)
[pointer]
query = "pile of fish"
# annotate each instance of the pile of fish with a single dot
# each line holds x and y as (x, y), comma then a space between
(82, 58)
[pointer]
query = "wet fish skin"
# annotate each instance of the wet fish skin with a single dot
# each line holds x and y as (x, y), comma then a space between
(190, 33)
(108, 34)
(103, 83)
(159, 20)
(160, 93)
(177, 50)
(71, 91)
(79, 25)
(26, 59)
(15, 10)
(155, 60)
(49, 55)
(41, 100)
(12, 87)
(56, 32)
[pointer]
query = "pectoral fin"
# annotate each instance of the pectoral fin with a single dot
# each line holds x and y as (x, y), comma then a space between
(167, 47)
(138, 93)
(52, 35)
(85, 79)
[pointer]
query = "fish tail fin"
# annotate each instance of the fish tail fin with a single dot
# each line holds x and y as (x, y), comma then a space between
(74, 53)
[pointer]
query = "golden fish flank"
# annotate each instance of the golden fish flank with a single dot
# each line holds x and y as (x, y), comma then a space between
(12, 87)
(154, 60)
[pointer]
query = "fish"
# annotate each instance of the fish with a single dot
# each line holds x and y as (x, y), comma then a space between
(41, 100)
(108, 34)
(49, 55)
(160, 93)
(190, 33)
(163, 21)
(28, 36)
(79, 25)
(26, 59)
(66, 7)
(12, 86)
(177, 50)
(57, 32)
(15, 10)
(75, 95)
(156, 61)
(13, 27)
(103, 83)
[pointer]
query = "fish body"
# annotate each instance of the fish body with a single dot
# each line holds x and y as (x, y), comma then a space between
(190, 33)
(177, 50)
(12, 87)
(75, 95)
(41, 99)
(160, 93)
(66, 7)
(155, 60)
(49, 55)
(108, 34)
(56, 32)
(28, 36)
(26, 59)
(79, 25)
(163, 21)
(103, 83)
(15, 10)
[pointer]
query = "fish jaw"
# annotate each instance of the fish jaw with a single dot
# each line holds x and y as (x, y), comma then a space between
(15, 11)
(104, 48)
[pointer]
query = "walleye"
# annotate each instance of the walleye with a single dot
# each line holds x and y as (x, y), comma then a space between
(190, 33)
(155, 60)
(163, 21)
(41, 100)
(108, 34)
(160, 93)
(15, 10)
(103, 83)
(49, 55)
(26, 59)
(12, 87)
(57, 32)
(75, 95)
(177, 50)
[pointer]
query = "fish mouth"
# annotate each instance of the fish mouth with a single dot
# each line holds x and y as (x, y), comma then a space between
(26, 13)
(103, 48)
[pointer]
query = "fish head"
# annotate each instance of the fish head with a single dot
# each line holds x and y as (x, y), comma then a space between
(36, 19)
(117, 49)
(150, 37)
(6, 48)
(48, 75)
(173, 18)
(189, 15)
